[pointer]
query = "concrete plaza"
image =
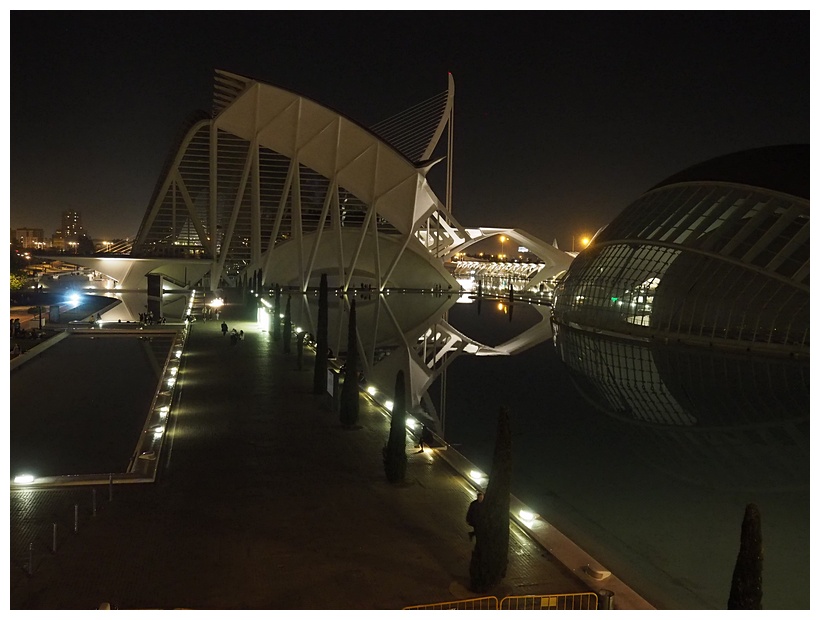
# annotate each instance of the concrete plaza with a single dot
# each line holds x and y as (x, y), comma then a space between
(263, 501)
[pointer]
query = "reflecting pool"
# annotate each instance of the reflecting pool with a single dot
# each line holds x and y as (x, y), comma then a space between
(669, 530)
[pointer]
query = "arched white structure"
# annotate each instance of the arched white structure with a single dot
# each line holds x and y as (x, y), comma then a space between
(275, 170)
(556, 261)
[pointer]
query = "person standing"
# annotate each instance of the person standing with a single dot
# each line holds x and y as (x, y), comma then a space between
(473, 511)
(224, 328)
(423, 438)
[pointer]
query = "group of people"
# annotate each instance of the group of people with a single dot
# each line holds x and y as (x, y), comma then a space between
(209, 313)
(19, 333)
(147, 318)
(235, 336)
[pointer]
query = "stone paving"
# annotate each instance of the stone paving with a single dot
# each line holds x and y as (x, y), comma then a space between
(263, 501)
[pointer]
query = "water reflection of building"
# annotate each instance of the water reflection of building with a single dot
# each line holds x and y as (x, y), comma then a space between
(688, 318)
(408, 332)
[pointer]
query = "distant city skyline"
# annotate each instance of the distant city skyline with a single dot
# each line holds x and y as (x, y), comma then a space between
(561, 118)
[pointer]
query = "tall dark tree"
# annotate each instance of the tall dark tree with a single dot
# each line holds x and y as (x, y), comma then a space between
(747, 579)
(511, 302)
(320, 363)
(488, 564)
(395, 452)
(277, 310)
(287, 330)
(480, 295)
(349, 406)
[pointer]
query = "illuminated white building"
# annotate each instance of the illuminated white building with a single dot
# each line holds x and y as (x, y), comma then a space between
(690, 313)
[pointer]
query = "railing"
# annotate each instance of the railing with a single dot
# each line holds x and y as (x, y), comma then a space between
(581, 601)
(484, 602)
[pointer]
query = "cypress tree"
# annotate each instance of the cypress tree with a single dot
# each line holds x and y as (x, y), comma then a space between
(480, 295)
(747, 579)
(349, 406)
(488, 564)
(277, 310)
(320, 363)
(394, 453)
(288, 328)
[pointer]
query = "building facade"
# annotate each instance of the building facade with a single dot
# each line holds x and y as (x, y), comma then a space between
(687, 317)
(30, 238)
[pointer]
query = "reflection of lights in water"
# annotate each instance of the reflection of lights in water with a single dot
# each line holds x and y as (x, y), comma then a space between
(468, 284)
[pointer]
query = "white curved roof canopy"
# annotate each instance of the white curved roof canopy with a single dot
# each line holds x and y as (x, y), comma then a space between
(334, 146)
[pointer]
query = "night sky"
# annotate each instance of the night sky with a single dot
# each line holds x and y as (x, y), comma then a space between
(561, 118)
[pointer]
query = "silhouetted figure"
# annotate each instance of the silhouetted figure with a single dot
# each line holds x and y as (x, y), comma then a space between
(424, 437)
(473, 512)
(224, 328)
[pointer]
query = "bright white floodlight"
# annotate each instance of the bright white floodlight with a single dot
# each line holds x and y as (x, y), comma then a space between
(527, 516)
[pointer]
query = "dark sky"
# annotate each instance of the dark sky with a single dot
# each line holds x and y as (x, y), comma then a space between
(562, 118)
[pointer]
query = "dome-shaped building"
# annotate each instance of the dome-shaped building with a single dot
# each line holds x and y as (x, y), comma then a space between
(687, 318)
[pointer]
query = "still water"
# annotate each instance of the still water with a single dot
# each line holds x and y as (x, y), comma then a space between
(671, 534)
(666, 521)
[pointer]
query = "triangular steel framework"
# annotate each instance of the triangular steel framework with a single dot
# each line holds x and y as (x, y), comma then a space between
(277, 184)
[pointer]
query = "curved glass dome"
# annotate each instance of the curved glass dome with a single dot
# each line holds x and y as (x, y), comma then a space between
(688, 317)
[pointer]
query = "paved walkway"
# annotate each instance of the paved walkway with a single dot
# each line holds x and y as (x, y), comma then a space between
(263, 501)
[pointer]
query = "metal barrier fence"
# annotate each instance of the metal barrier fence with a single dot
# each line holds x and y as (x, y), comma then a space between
(485, 602)
(582, 600)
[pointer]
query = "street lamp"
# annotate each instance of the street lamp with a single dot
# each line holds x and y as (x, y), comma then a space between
(583, 241)
(503, 239)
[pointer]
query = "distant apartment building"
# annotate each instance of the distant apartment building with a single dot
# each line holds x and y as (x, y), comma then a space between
(70, 237)
(72, 225)
(30, 238)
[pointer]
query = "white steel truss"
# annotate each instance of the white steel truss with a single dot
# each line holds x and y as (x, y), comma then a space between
(279, 184)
